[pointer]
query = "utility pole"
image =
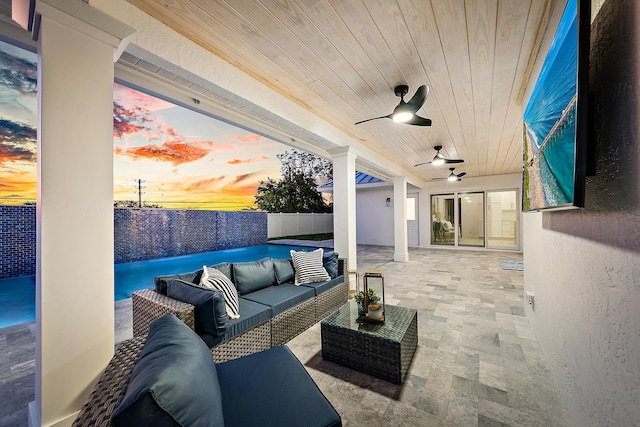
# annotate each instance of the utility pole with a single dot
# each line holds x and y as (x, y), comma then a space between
(139, 193)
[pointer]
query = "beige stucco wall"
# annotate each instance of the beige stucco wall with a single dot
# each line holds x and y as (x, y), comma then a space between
(584, 266)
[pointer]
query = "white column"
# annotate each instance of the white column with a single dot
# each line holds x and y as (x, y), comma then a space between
(344, 204)
(401, 243)
(77, 46)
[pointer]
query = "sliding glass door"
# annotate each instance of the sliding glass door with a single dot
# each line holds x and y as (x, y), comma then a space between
(471, 224)
(468, 219)
(442, 220)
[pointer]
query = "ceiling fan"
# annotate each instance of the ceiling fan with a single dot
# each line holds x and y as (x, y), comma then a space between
(405, 112)
(453, 176)
(439, 159)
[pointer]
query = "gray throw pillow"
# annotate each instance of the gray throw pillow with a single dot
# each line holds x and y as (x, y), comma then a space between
(284, 271)
(253, 276)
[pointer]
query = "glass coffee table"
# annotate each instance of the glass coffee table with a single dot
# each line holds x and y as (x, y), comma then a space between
(384, 350)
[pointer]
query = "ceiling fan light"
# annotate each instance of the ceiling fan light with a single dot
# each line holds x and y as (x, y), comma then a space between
(452, 177)
(437, 161)
(402, 116)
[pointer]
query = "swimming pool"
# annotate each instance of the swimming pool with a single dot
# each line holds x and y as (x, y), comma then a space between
(18, 294)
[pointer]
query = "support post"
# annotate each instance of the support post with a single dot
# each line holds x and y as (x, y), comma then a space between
(401, 242)
(77, 46)
(344, 204)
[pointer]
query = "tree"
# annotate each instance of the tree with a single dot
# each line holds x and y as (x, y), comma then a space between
(133, 204)
(307, 164)
(297, 189)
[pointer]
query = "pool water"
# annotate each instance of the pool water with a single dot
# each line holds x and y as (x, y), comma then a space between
(18, 294)
(17, 300)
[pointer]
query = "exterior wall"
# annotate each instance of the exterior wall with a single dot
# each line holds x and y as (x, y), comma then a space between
(157, 233)
(17, 241)
(374, 219)
(583, 266)
(139, 234)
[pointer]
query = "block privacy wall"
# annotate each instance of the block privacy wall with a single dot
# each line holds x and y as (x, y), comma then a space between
(139, 234)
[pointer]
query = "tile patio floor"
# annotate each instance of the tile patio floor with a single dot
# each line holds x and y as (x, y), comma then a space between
(478, 362)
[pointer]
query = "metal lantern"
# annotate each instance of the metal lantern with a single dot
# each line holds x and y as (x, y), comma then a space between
(374, 295)
(354, 287)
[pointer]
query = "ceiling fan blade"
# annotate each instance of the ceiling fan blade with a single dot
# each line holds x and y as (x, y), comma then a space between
(420, 164)
(418, 121)
(375, 118)
(417, 100)
(461, 174)
(453, 161)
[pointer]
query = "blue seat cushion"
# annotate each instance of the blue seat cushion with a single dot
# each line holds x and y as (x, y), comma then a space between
(252, 276)
(209, 306)
(320, 287)
(282, 395)
(281, 298)
(330, 263)
(174, 382)
(160, 282)
(284, 270)
(251, 314)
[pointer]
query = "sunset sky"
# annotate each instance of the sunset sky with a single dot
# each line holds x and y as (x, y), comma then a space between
(184, 159)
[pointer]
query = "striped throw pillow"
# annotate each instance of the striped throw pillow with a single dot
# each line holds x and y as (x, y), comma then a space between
(213, 278)
(308, 267)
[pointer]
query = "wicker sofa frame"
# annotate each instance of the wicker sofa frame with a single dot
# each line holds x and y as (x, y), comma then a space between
(111, 386)
(148, 305)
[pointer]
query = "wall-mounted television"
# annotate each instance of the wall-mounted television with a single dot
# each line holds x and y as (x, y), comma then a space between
(555, 141)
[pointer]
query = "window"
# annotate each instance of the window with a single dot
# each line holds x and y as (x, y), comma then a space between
(502, 219)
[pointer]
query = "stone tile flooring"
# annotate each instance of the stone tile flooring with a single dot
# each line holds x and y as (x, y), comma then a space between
(478, 362)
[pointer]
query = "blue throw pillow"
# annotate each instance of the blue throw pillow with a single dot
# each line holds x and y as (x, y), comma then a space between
(225, 268)
(253, 276)
(330, 263)
(210, 310)
(284, 271)
(174, 382)
(160, 282)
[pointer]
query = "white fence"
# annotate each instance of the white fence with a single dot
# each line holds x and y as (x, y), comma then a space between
(296, 224)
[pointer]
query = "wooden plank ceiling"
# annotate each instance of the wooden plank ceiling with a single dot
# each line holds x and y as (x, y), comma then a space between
(341, 59)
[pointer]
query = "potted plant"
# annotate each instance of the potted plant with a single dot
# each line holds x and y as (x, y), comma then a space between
(373, 309)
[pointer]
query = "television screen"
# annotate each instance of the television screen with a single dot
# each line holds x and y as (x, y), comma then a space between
(554, 147)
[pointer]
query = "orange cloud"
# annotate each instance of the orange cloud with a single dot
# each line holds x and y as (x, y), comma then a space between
(248, 176)
(244, 161)
(17, 187)
(129, 121)
(252, 137)
(17, 142)
(175, 152)
(244, 185)
(209, 184)
(241, 190)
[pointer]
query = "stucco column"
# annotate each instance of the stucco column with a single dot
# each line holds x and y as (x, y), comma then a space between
(344, 204)
(77, 46)
(401, 242)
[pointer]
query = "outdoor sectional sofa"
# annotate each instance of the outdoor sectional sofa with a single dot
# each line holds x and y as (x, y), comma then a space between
(273, 310)
(143, 386)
